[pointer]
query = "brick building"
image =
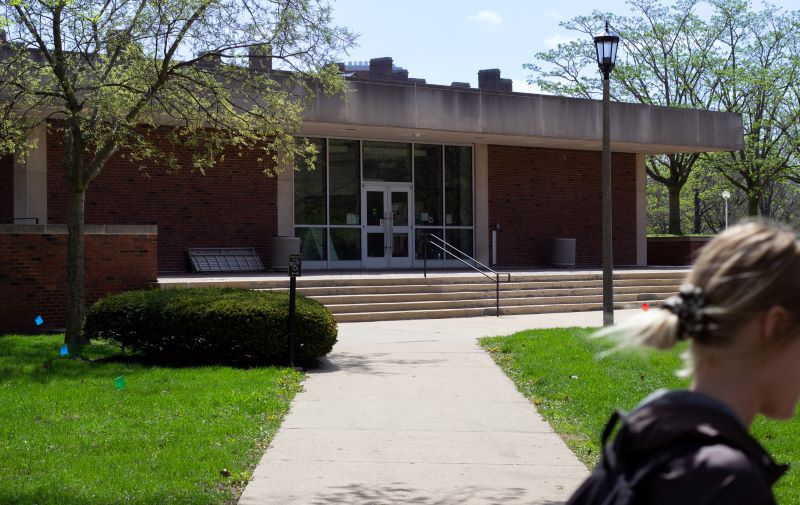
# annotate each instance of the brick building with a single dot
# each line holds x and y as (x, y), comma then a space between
(398, 158)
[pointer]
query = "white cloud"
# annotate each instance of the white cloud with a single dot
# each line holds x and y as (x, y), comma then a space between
(522, 86)
(486, 19)
(552, 41)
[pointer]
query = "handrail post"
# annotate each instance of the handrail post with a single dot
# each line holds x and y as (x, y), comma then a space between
(425, 258)
(497, 294)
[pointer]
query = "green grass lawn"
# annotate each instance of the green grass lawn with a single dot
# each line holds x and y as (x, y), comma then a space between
(172, 435)
(561, 372)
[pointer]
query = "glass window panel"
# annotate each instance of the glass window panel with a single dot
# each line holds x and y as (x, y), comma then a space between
(374, 208)
(420, 234)
(458, 185)
(387, 161)
(399, 208)
(375, 245)
(310, 188)
(345, 181)
(314, 240)
(345, 244)
(427, 184)
(460, 239)
(400, 245)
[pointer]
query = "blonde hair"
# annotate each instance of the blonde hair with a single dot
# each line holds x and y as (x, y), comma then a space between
(740, 273)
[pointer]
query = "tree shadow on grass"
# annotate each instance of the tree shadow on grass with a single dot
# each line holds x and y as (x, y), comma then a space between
(38, 359)
(371, 363)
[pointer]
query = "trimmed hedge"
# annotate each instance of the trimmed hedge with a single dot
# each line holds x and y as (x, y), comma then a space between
(219, 325)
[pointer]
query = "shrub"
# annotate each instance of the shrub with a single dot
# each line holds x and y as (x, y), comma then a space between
(218, 325)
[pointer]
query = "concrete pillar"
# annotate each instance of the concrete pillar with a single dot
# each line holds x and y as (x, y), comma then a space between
(286, 201)
(482, 203)
(30, 180)
(641, 211)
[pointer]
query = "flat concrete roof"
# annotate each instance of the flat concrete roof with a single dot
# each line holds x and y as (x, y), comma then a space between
(430, 113)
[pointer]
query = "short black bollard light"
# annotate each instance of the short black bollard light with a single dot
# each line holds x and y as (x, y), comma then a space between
(295, 271)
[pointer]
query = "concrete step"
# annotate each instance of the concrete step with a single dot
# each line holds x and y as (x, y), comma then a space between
(485, 302)
(386, 296)
(442, 280)
(667, 284)
(471, 312)
(483, 294)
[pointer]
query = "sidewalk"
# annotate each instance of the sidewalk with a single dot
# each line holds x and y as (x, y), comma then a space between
(416, 412)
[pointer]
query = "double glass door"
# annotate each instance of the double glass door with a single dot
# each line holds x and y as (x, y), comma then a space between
(386, 233)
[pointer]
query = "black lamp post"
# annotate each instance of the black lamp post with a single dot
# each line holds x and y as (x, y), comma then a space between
(606, 45)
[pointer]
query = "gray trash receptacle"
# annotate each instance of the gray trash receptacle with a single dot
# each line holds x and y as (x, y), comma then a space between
(282, 247)
(563, 252)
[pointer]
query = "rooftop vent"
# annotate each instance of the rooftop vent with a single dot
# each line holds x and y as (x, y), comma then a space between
(380, 68)
(490, 79)
(260, 58)
(209, 60)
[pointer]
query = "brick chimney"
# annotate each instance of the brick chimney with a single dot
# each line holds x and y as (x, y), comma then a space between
(400, 75)
(260, 58)
(380, 68)
(490, 79)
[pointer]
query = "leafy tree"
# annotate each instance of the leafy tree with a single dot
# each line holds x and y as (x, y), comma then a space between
(761, 83)
(666, 58)
(117, 74)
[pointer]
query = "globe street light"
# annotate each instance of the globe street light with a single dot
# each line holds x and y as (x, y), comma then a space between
(606, 45)
(725, 195)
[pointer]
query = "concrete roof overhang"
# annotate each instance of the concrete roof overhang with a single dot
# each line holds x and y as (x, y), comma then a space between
(429, 113)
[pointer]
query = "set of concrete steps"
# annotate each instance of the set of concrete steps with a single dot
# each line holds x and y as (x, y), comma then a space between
(411, 296)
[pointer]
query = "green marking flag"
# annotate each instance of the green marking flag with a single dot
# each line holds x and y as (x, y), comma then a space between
(119, 382)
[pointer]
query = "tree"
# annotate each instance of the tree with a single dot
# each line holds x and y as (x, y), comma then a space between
(761, 83)
(116, 74)
(666, 58)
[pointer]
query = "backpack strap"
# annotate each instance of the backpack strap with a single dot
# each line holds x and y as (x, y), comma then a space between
(609, 459)
(624, 488)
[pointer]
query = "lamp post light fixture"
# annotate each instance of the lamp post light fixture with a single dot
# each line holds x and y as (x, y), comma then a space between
(606, 45)
(725, 195)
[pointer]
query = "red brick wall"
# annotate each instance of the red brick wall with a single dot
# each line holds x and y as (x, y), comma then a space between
(233, 205)
(33, 274)
(674, 251)
(6, 189)
(538, 194)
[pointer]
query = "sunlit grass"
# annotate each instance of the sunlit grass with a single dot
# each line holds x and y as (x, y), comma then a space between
(561, 372)
(172, 435)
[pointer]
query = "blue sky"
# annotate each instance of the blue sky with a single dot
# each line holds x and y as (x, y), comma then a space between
(445, 40)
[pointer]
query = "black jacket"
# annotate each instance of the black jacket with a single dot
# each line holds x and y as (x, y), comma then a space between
(721, 464)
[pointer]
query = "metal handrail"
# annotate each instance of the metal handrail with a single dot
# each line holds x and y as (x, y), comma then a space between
(447, 248)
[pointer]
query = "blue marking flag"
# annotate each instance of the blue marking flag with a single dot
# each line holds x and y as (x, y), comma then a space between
(64, 350)
(39, 320)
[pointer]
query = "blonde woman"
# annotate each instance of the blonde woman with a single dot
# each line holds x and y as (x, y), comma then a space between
(740, 311)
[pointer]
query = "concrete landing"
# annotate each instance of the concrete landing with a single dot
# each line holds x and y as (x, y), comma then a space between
(416, 412)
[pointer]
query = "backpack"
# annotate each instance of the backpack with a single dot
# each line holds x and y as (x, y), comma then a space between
(609, 485)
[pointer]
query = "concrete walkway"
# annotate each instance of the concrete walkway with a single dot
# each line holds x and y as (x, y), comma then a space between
(417, 412)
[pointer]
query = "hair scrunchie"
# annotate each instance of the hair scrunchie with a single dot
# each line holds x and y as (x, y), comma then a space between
(689, 305)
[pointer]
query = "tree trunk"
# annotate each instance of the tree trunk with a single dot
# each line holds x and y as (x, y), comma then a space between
(76, 287)
(753, 204)
(698, 223)
(674, 209)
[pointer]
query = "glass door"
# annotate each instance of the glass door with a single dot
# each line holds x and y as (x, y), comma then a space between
(386, 229)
